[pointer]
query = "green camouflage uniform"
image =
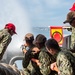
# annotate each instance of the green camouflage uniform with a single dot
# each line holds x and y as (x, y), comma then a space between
(30, 67)
(73, 38)
(27, 65)
(69, 19)
(72, 29)
(5, 39)
(65, 63)
(46, 59)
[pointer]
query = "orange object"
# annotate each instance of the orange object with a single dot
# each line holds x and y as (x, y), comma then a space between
(57, 33)
(73, 7)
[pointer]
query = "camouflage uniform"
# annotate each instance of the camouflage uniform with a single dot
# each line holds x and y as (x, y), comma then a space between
(30, 67)
(72, 29)
(44, 69)
(73, 38)
(46, 59)
(65, 63)
(70, 18)
(27, 65)
(5, 39)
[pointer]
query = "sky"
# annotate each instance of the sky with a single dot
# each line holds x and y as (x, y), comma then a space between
(26, 14)
(46, 12)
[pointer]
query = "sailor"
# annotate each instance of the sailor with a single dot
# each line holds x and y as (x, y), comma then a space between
(71, 20)
(65, 61)
(30, 67)
(6, 37)
(44, 58)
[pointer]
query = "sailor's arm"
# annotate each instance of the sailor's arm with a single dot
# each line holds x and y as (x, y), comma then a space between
(69, 28)
(45, 62)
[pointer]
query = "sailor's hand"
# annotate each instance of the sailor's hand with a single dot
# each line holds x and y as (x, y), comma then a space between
(25, 45)
(36, 61)
(35, 50)
(53, 66)
(24, 51)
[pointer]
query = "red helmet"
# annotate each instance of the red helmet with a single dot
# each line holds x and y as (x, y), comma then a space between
(11, 27)
(73, 7)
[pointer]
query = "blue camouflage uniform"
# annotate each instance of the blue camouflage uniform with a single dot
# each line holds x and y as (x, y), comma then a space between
(5, 39)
